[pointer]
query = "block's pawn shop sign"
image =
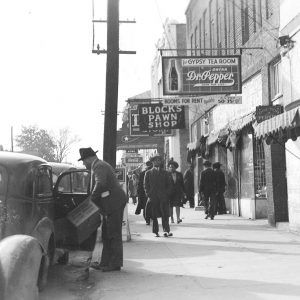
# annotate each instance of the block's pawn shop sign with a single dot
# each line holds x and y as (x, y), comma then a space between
(158, 116)
(136, 131)
(192, 75)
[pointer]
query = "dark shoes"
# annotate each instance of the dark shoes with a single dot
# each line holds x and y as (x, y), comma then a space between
(206, 217)
(110, 269)
(157, 235)
(167, 234)
(96, 265)
(179, 221)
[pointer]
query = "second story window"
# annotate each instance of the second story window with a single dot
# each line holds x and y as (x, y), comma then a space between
(275, 80)
(245, 21)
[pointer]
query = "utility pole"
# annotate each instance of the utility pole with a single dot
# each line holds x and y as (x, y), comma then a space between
(112, 78)
(112, 83)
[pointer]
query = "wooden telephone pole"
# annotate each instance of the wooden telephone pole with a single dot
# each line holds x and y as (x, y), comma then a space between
(112, 83)
(112, 79)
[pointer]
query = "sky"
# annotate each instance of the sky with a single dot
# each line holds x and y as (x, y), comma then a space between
(48, 74)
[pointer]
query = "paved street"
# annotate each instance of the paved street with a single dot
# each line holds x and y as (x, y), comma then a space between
(225, 258)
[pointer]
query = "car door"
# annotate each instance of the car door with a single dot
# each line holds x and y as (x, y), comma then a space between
(76, 218)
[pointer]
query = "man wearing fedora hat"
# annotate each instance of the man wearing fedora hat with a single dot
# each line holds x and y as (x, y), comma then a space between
(142, 198)
(220, 187)
(207, 187)
(108, 195)
(157, 186)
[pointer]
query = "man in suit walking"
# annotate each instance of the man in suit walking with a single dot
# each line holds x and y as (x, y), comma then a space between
(157, 185)
(207, 187)
(109, 196)
(220, 188)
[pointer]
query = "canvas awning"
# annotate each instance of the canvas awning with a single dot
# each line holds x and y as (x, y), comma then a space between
(286, 120)
(240, 123)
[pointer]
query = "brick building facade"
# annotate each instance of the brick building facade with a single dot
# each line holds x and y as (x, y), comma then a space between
(249, 28)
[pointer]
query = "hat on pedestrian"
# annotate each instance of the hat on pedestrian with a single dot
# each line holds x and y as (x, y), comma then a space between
(174, 163)
(154, 157)
(148, 163)
(86, 152)
(217, 165)
(207, 163)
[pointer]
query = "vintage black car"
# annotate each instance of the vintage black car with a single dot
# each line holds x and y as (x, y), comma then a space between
(31, 206)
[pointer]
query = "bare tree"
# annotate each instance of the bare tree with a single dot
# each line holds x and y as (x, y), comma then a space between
(63, 143)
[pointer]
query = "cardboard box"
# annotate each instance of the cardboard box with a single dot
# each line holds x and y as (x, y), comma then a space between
(85, 218)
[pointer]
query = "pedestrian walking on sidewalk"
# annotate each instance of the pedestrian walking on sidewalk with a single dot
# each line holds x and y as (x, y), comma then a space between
(220, 189)
(207, 187)
(142, 198)
(177, 190)
(188, 180)
(132, 187)
(157, 186)
(108, 195)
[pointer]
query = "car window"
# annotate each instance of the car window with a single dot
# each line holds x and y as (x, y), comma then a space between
(80, 182)
(44, 182)
(3, 181)
(74, 182)
(65, 184)
(3, 189)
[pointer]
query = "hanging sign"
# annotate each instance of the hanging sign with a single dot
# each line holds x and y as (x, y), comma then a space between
(158, 116)
(136, 130)
(205, 100)
(265, 112)
(201, 75)
(131, 160)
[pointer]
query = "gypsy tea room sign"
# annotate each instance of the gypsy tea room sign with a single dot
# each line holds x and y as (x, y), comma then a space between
(158, 116)
(195, 75)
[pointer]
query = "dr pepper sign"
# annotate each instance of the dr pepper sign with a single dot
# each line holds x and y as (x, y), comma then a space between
(201, 75)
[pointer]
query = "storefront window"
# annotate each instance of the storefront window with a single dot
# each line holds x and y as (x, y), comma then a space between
(259, 170)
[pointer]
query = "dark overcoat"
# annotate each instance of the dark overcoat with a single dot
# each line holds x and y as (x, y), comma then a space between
(104, 180)
(177, 189)
(188, 180)
(157, 186)
(207, 184)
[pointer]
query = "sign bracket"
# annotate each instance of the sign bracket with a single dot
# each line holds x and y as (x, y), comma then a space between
(161, 50)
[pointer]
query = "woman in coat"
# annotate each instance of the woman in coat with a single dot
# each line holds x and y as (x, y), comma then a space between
(177, 190)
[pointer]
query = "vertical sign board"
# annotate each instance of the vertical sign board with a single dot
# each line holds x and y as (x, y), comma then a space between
(202, 75)
(121, 176)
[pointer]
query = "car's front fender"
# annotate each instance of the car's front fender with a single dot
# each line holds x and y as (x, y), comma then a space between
(20, 259)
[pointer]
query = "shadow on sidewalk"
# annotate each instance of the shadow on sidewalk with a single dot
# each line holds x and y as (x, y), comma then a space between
(137, 282)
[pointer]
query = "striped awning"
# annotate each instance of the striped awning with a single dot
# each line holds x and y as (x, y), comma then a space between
(240, 123)
(288, 119)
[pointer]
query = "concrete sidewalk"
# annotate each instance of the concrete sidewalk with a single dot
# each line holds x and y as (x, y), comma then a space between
(225, 258)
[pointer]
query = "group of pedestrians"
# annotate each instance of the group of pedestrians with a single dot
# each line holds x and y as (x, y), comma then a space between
(160, 190)
(211, 188)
